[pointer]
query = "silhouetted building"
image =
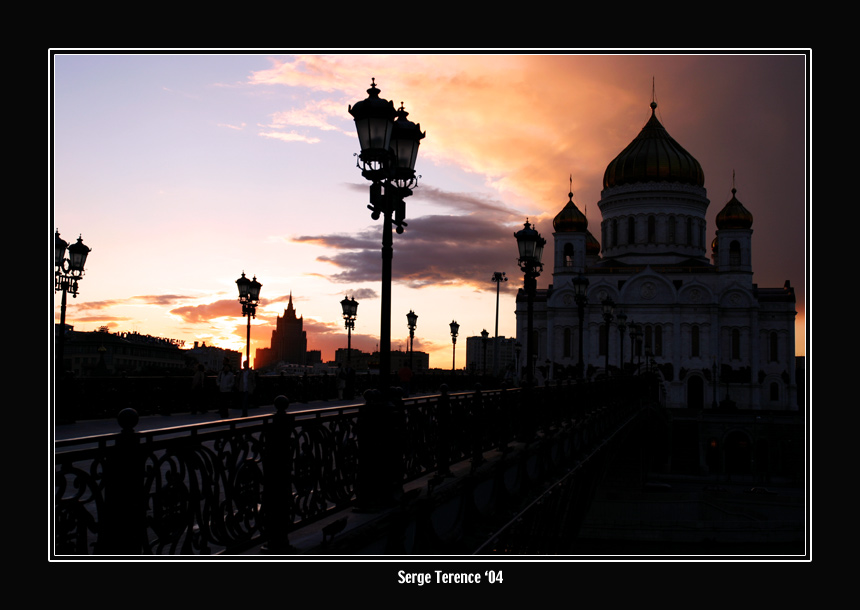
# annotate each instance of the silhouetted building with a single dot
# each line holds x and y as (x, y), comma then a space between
(713, 336)
(477, 361)
(130, 353)
(289, 342)
(362, 361)
(212, 358)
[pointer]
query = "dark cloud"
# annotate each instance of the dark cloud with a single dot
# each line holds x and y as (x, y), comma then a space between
(462, 249)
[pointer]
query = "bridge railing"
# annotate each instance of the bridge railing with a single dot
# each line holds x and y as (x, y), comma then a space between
(223, 487)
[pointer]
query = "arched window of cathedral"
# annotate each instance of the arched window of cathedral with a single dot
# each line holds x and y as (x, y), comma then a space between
(773, 352)
(652, 229)
(602, 343)
(671, 236)
(613, 235)
(648, 340)
(736, 344)
(689, 231)
(774, 391)
(566, 347)
(701, 233)
(658, 340)
(735, 253)
(568, 255)
(631, 230)
(694, 342)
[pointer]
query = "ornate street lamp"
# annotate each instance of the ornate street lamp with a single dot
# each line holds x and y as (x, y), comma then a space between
(389, 148)
(455, 328)
(249, 297)
(530, 245)
(484, 336)
(411, 323)
(350, 311)
(498, 278)
(608, 311)
(67, 273)
(580, 295)
(622, 326)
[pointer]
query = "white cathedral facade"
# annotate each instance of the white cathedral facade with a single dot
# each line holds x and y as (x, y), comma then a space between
(684, 307)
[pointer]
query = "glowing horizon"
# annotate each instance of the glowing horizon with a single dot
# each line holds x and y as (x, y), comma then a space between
(182, 171)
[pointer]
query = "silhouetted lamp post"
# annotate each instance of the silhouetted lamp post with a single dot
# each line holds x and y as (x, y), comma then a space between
(455, 328)
(608, 311)
(530, 245)
(411, 323)
(484, 336)
(389, 147)
(580, 295)
(350, 311)
(249, 297)
(498, 278)
(632, 326)
(518, 348)
(622, 326)
(67, 273)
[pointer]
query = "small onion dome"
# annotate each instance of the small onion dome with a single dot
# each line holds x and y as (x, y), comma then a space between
(734, 215)
(653, 157)
(570, 219)
(592, 246)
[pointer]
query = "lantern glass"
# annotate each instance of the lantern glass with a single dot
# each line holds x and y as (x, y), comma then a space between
(254, 289)
(411, 319)
(608, 307)
(455, 328)
(60, 246)
(374, 122)
(244, 285)
(78, 256)
(580, 285)
(349, 307)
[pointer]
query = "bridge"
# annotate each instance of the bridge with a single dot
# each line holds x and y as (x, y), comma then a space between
(508, 471)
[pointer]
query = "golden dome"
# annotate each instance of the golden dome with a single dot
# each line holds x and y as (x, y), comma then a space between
(570, 219)
(734, 215)
(653, 157)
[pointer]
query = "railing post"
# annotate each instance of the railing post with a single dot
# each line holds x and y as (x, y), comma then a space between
(476, 427)
(278, 480)
(374, 485)
(123, 526)
(443, 432)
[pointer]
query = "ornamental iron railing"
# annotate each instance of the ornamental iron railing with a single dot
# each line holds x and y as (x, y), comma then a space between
(227, 486)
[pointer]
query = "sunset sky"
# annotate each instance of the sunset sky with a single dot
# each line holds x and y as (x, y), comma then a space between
(182, 170)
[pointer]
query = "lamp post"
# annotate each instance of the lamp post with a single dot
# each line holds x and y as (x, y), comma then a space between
(411, 323)
(389, 147)
(530, 245)
(518, 348)
(67, 274)
(622, 326)
(455, 328)
(580, 295)
(249, 297)
(633, 330)
(498, 278)
(608, 311)
(484, 336)
(349, 306)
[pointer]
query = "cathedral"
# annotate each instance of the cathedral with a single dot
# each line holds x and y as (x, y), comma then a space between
(658, 296)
